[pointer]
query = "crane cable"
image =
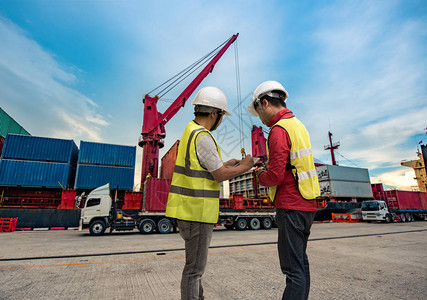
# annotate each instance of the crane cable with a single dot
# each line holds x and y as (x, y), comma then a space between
(346, 158)
(181, 76)
(239, 96)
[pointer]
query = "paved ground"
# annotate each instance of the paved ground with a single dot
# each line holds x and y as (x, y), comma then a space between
(348, 261)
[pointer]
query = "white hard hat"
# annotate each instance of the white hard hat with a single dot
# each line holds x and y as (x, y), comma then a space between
(212, 97)
(265, 88)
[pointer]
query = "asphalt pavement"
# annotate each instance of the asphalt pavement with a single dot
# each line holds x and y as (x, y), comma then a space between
(347, 260)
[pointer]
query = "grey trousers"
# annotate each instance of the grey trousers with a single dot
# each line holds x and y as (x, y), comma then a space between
(197, 237)
(294, 230)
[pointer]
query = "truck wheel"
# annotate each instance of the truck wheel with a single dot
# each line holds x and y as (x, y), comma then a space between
(402, 218)
(267, 223)
(164, 226)
(254, 224)
(409, 217)
(146, 226)
(241, 224)
(388, 218)
(97, 227)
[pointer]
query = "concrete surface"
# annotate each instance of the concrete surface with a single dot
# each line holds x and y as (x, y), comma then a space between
(348, 261)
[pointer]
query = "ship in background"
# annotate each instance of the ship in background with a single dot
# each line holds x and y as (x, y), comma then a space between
(419, 166)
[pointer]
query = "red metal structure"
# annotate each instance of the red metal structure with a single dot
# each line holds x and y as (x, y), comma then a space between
(153, 128)
(332, 147)
(259, 143)
(8, 224)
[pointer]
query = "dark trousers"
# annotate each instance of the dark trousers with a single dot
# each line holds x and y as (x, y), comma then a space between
(197, 237)
(294, 230)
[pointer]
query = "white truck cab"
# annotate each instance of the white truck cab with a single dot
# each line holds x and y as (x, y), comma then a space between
(376, 210)
(96, 207)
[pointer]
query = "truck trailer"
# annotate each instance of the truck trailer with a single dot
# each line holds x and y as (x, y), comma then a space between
(99, 211)
(395, 205)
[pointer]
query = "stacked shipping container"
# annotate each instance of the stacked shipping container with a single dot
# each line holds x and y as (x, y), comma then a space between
(344, 182)
(99, 164)
(29, 161)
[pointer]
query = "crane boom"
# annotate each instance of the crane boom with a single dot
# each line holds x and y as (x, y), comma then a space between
(153, 131)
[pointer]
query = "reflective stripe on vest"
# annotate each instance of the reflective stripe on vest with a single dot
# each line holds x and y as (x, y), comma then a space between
(301, 159)
(194, 193)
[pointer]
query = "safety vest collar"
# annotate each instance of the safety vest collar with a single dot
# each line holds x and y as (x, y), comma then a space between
(285, 113)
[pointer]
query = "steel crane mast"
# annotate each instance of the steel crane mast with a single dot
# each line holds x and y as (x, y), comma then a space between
(153, 127)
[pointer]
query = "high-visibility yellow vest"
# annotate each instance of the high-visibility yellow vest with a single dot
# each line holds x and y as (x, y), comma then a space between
(194, 193)
(301, 159)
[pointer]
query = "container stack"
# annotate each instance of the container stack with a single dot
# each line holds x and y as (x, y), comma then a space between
(344, 182)
(38, 162)
(99, 164)
(9, 125)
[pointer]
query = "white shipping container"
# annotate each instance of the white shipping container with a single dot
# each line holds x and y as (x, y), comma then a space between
(330, 172)
(345, 189)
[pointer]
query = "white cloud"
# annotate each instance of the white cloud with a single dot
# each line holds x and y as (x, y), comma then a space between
(36, 90)
(369, 84)
(400, 179)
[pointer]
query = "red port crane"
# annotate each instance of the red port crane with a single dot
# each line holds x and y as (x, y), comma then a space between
(153, 127)
(332, 147)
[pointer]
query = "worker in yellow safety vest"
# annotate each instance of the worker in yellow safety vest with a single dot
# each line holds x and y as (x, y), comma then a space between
(194, 193)
(292, 181)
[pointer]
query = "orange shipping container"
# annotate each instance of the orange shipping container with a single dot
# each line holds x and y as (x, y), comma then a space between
(168, 162)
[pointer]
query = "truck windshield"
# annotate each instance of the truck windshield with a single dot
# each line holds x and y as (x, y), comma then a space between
(370, 206)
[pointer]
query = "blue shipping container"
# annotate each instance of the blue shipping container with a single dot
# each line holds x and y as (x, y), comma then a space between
(34, 148)
(106, 154)
(35, 174)
(90, 177)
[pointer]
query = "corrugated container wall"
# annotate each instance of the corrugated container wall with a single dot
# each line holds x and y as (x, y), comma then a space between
(168, 162)
(344, 182)
(330, 172)
(156, 191)
(106, 155)
(90, 177)
(423, 198)
(34, 148)
(35, 174)
(397, 199)
(345, 189)
(9, 125)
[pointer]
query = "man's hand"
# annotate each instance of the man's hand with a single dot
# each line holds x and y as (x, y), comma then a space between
(248, 161)
(231, 163)
(238, 167)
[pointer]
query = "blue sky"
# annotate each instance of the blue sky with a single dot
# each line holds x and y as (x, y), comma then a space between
(79, 69)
